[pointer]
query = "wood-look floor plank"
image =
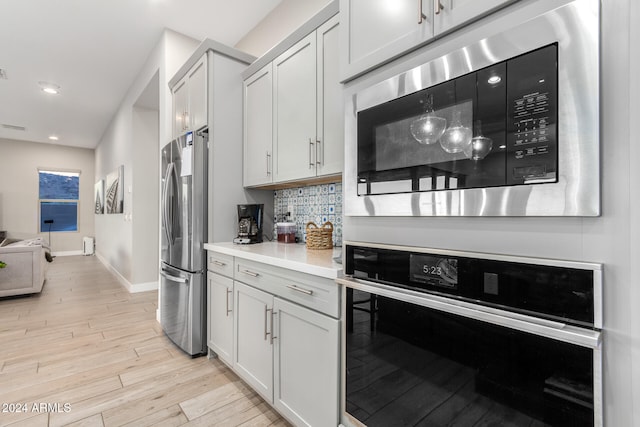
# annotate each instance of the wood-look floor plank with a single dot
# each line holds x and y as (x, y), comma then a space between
(211, 400)
(86, 342)
(167, 417)
(92, 421)
(29, 420)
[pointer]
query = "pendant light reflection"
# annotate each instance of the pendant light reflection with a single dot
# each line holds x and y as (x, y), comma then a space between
(457, 137)
(428, 128)
(480, 145)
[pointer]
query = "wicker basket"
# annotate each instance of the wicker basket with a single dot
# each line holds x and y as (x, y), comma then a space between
(319, 237)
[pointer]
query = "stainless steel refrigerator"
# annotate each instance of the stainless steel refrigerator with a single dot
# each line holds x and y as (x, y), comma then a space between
(183, 234)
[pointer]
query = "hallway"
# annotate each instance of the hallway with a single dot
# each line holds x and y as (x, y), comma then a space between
(85, 352)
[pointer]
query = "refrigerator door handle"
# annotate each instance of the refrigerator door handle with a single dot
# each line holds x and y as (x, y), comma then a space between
(165, 202)
(174, 278)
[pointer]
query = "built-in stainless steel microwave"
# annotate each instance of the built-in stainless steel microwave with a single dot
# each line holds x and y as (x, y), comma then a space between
(506, 125)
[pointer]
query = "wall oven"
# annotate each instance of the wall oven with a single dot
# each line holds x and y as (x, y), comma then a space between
(436, 337)
(506, 125)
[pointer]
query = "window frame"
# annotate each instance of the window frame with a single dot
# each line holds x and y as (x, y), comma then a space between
(41, 225)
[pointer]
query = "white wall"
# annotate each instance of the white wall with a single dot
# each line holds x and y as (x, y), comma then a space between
(146, 200)
(19, 188)
(611, 239)
(115, 234)
(282, 21)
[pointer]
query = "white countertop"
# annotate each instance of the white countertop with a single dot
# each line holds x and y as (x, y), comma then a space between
(293, 256)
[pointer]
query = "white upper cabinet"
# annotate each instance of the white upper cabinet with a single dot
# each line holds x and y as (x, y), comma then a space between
(294, 111)
(180, 106)
(197, 112)
(190, 99)
(377, 31)
(307, 111)
(258, 128)
(330, 105)
(452, 13)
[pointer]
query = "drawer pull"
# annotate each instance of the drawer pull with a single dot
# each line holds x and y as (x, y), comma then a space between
(219, 263)
(250, 273)
(301, 290)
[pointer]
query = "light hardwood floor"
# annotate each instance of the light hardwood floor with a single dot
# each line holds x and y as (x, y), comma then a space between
(94, 355)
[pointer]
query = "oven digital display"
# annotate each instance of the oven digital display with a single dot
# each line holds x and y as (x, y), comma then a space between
(434, 271)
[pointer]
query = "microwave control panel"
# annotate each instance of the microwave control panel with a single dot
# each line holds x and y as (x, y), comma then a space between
(532, 92)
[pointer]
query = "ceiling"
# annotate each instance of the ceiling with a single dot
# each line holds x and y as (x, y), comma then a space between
(94, 49)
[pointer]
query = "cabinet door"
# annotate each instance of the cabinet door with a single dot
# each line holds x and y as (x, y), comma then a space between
(306, 365)
(375, 31)
(330, 107)
(220, 315)
(180, 101)
(294, 109)
(453, 13)
(253, 358)
(197, 111)
(258, 126)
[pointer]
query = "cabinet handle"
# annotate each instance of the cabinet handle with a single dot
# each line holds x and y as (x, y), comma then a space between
(266, 315)
(186, 120)
(268, 163)
(218, 263)
(250, 273)
(311, 163)
(421, 16)
(273, 334)
(439, 7)
(320, 153)
(304, 291)
(229, 291)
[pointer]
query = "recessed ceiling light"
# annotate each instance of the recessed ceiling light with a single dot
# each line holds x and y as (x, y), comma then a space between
(494, 80)
(53, 137)
(50, 88)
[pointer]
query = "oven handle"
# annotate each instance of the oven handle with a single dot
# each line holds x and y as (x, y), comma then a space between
(520, 322)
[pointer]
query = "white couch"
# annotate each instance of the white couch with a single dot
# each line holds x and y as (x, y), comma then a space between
(25, 265)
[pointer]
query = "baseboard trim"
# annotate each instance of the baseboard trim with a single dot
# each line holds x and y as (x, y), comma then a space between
(132, 288)
(67, 253)
(144, 287)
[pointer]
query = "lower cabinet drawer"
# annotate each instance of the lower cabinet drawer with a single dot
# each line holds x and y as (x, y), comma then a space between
(317, 293)
(220, 263)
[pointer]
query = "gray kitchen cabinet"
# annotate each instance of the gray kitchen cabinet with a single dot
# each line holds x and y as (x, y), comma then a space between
(294, 111)
(330, 105)
(284, 334)
(306, 113)
(308, 136)
(220, 307)
(305, 356)
(450, 14)
(253, 321)
(220, 316)
(190, 99)
(377, 31)
(258, 128)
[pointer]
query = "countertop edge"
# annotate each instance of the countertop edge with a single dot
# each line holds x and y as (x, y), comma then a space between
(244, 251)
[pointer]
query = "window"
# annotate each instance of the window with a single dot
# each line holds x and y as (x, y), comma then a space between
(58, 200)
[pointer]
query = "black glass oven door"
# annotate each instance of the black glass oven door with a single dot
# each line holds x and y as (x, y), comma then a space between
(407, 365)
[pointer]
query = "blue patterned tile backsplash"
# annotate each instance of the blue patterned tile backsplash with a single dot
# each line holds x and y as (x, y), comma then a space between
(317, 203)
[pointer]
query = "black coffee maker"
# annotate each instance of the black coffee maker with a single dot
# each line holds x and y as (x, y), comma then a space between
(249, 224)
